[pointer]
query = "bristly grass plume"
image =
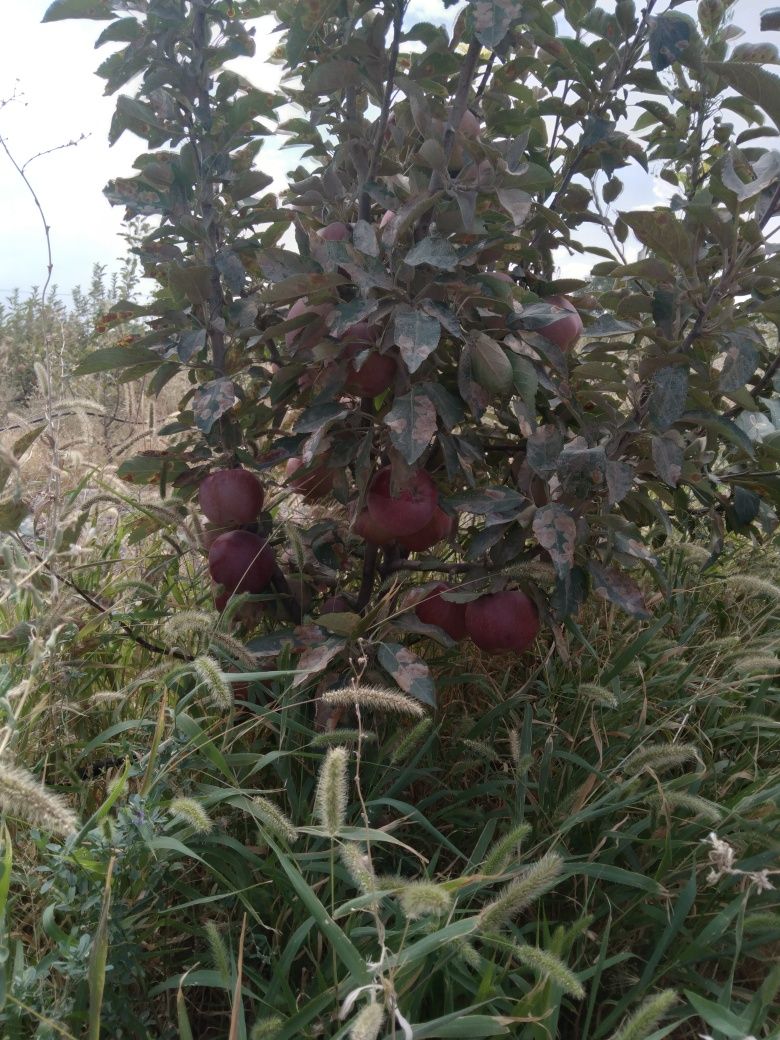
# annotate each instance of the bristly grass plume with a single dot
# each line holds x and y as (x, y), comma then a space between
(21, 795)
(330, 800)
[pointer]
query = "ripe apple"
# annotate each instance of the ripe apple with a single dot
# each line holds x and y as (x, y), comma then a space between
(564, 332)
(369, 530)
(231, 497)
(377, 371)
(469, 126)
(502, 621)
(241, 562)
(335, 232)
(437, 528)
(306, 335)
(314, 484)
(433, 610)
(406, 512)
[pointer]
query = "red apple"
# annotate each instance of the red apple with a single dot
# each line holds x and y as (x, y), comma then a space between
(407, 511)
(231, 497)
(502, 621)
(306, 335)
(437, 528)
(314, 483)
(564, 332)
(369, 530)
(241, 562)
(433, 610)
(335, 232)
(373, 377)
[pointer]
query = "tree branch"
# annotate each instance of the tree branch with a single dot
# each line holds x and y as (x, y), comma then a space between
(364, 209)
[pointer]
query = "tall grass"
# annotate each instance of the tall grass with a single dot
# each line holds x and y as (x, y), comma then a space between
(581, 843)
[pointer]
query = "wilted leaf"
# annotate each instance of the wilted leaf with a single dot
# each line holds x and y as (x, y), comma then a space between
(26, 441)
(315, 659)
(448, 407)
(556, 531)
(232, 270)
(492, 19)
(668, 396)
(412, 424)
(416, 335)
(148, 467)
(543, 449)
(211, 401)
(670, 37)
(724, 427)
(188, 344)
(743, 509)
(765, 171)
(617, 587)
(668, 458)
(411, 674)
(517, 203)
(569, 593)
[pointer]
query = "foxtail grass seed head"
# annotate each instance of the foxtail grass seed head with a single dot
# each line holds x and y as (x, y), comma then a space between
(599, 694)
(411, 740)
(359, 868)
(333, 737)
(234, 648)
(756, 665)
(330, 800)
(367, 1023)
(267, 1028)
(696, 554)
(220, 957)
(546, 965)
(535, 880)
(424, 899)
(514, 747)
(210, 674)
(189, 622)
(191, 812)
(21, 795)
(469, 954)
(660, 757)
(643, 1022)
(505, 850)
(375, 698)
(274, 820)
(749, 586)
(692, 803)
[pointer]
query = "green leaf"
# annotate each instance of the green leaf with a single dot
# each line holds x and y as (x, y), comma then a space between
(111, 358)
(488, 500)
(412, 424)
(331, 77)
(556, 531)
(617, 587)
(97, 10)
(11, 514)
(718, 1017)
(492, 19)
(668, 396)
(670, 36)
(662, 232)
(409, 671)
(490, 364)
(752, 82)
(416, 335)
(211, 401)
(525, 379)
(724, 427)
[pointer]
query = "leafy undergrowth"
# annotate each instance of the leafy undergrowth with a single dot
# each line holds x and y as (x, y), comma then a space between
(580, 844)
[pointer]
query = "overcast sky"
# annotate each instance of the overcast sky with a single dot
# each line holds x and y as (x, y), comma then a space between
(51, 68)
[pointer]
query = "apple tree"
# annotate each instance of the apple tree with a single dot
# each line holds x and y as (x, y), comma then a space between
(508, 326)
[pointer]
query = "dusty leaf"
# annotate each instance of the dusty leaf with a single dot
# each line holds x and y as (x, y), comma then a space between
(412, 424)
(617, 587)
(492, 19)
(316, 659)
(416, 335)
(436, 252)
(620, 479)
(668, 396)
(668, 458)
(517, 203)
(211, 401)
(556, 531)
(411, 674)
(740, 361)
(543, 449)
